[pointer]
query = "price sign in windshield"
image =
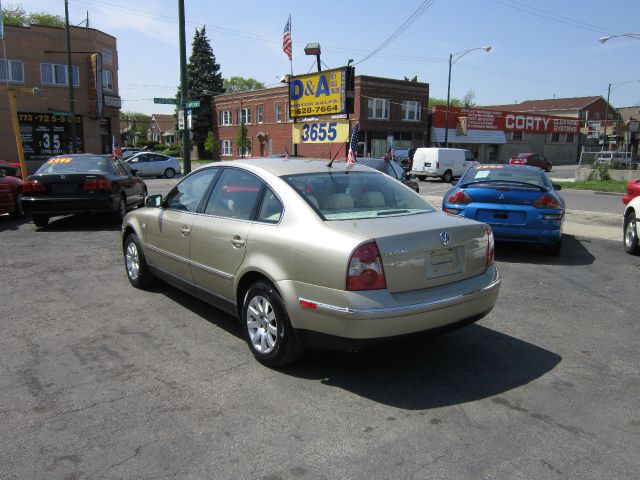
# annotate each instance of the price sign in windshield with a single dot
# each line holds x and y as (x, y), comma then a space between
(332, 131)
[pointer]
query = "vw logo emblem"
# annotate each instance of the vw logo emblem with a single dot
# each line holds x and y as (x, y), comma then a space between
(501, 197)
(444, 238)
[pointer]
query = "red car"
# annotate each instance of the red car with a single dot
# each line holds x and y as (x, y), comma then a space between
(531, 159)
(10, 194)
(633, 190)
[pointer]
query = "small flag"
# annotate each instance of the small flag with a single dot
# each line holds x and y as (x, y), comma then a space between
(116, 150)
(286, 38)
(353, 145)
(389, 155)
(286, 151)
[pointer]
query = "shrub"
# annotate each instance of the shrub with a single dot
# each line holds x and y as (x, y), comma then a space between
(600, 172)
(172, 150)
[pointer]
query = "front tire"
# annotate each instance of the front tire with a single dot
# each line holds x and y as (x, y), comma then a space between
(138, 271)
(266, 327)
(169, 173)
(447, 177)
(40, 221)
(631, 244)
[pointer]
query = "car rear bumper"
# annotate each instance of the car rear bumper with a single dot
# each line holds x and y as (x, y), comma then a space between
(379, 314)
(68, 205)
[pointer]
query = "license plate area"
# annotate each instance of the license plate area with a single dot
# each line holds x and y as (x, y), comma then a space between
(64, 188)
(501, 217)
(443, 262)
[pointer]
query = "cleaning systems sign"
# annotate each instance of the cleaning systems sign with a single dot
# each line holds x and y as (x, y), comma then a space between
(319, 93)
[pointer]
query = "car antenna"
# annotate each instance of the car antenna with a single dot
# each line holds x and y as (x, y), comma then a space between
(334, 157)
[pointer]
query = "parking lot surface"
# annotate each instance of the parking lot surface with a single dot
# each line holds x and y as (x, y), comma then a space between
(100, 380)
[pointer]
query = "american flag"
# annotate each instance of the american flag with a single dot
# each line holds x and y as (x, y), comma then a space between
(286, 151)
(115, 149)
(389, 155)
(353, 144)
(286, 38)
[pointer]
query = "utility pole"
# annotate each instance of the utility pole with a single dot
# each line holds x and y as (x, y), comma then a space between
(605, 139)
(184, 91)
(72, 107)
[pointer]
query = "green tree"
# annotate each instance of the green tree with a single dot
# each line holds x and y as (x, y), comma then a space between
(136, 125)
(242, 140)
(212, 146)
(467, 101)
(203, 81)
(16, 15)
(241, 84)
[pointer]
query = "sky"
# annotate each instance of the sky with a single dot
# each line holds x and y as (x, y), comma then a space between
(540, 49)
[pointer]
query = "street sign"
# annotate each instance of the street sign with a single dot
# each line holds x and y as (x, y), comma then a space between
(180, 119)
(193, 104)
(166, 101)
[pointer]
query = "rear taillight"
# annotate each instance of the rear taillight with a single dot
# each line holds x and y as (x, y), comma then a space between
(365, 270)
(460, 198)
(96, 185)
(546, 201)
(491, 247)
(33, 186)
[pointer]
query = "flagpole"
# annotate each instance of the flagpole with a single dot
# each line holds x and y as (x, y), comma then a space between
(291, 36)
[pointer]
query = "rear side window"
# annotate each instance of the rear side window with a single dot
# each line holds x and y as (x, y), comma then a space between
(357, 195)
(84, 164)
(271, 208)
(235, 195)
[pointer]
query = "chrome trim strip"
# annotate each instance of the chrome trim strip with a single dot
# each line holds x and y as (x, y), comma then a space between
(416, 306)
(219, 273)
(167, 254)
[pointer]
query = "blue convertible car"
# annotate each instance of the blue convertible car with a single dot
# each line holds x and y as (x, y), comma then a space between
(519, 202)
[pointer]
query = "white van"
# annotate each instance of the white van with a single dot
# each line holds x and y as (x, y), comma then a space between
(445, 163)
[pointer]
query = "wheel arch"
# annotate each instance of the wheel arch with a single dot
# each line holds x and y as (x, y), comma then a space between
(246, 280)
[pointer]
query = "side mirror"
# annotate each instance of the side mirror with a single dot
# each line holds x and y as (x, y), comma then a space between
(557, 186)
(3, 173)
(153, 201)
(136, 172)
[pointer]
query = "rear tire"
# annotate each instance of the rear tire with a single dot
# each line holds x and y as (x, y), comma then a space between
(40, 221)
(631, 244)
(266, 326)
(137, 269)
(447, 177)
(118, 215)
(169, 173)
(17, 211)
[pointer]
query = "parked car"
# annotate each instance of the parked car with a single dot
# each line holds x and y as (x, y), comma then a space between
(404, 156)
(393, 169)
(519, 202)
(623, 158)
(155, 164)
(630, 227)
(82, 183)
(532, 160)
(633, 190)
(307, 255)
(10, 194)
(445, 163)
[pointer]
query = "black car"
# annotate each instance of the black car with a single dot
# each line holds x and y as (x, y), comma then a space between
(82, 183)
(391, 168)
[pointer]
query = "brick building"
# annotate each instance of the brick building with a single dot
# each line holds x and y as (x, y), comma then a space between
(389, 111)
(36, 58)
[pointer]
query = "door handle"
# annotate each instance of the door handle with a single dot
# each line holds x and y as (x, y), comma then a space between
(185, 231)
(237, 241)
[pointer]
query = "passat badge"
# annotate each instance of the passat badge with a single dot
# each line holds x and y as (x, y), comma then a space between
(444, 238)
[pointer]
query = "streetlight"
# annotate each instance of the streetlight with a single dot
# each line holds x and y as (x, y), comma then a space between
(458, 56)
(606, 110)
(629, 35)
(313, 49)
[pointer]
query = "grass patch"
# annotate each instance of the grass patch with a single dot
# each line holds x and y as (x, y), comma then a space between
(616, 186)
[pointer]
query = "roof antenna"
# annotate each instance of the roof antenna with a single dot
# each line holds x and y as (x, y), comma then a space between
(334, 157)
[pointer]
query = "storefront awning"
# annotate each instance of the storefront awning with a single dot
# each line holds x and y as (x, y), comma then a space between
(472, 136)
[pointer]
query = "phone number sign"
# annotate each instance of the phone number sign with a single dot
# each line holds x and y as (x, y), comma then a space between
(321, 132)
(45, 135)
(319, 93)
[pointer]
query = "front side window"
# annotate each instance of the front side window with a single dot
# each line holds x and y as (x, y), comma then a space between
(357, 195)
(411, 111)
(188, 194)
(52, 74)
(378, 109)
(225, 117)
(225, 147)
(235, 195)
(260, 114)
(11, 71)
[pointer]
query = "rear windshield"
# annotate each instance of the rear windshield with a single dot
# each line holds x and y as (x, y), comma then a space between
(97, 164)
(523, 155)
(499, 174)
(357, 195)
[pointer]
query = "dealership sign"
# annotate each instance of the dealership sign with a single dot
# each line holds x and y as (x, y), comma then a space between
(318, 93)
(488, 119)
(317, 131)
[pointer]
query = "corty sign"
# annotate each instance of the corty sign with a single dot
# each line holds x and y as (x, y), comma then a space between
(318, 93)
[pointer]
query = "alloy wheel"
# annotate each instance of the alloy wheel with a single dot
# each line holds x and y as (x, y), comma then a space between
(631, 233)
(132, 260)
(262, 324)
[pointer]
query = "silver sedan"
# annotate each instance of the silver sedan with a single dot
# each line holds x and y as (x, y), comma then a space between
(306, 254)
(154, 164)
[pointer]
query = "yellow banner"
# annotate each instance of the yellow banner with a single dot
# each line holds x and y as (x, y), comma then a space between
(321, 93)
(317, 131)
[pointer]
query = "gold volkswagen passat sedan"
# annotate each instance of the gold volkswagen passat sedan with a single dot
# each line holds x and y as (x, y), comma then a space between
(310, 255)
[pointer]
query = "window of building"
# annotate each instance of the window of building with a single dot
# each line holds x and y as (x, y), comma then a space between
(52, 74)
(378, 108)
(569, 138)
(107, 80)
(225, 147)
(225, 117)
(243, 115)
(260, 114)
(517, 136)
(278, 112)
(107, 57)
(411, 111)
(11, 70)
(555, 137)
